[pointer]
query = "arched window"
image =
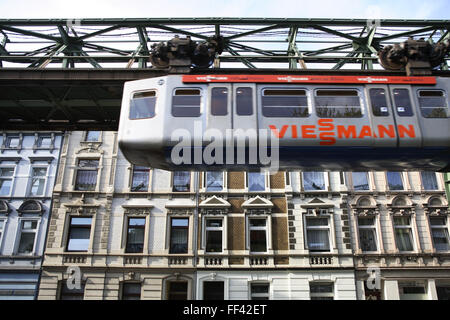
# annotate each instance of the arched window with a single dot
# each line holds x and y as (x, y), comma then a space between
(4, 207)
(31, 206)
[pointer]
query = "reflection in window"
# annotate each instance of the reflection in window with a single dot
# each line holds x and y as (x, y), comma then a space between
(256, 181)
(214, 181)
(394, 180)
(378, 102)
(338, 104)
(285, 103)
(93, 136)
(313, 181)
(244, 101)
(213, 235)
(367, 233)
(360, 181)
(28, 230)
(140, 177)
(403, 233)
(38, 178)
(142, 105)
(317, 234)
(219, 101)
(402, 103)
(6, 178)
(79, 234)
(179, 235)
(439, 232)
(135, 235)
(429, 180)
(181, 181)
(433, 104)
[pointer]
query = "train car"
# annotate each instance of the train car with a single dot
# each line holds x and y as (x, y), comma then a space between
(287, 122)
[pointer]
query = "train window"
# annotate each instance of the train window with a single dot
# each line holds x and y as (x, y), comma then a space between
(433, 104)
(186, 103)
(244, 101)
(219, 101)
(378, 102)
(142, 105)
(403, 103)
(285, 103)
(338, 104)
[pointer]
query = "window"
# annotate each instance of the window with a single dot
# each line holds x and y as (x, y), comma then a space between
(394, 180)
(443, 291)
(179, 235)
(367, 233)
(402, 103)
(412, 290)
(338, 104)
(92, 136)
(44, 142)
(321, 291)
(403, 233)
(429, 181)
(213, 230)
(28, 229)
(213, 290)
(186, 103)
(256, 181)
(244, 101)
(378, 102)
(433, 104)
(439, 232)
(12, 142)
(6, 179)
(360, 181)
(131, 291)
(285, 103)
(79, 234)
(219, 101)
(86, 177)
(135, 235)
(177, 290)
(142, 105)
(318, 234)
(139, 179)
(313, 181)
(214, 181)
(38, 179)
(258, 234)
(71, 294)
(259, 291)
(181, 181)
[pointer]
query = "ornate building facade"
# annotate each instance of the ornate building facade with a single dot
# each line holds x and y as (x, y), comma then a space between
(28, 163)
(129, 232)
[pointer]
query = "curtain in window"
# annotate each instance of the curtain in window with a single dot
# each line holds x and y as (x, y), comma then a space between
(86, 180)
(395, 180)
(181, 180)
(360, 181)
(440, 239)
(429, 180)
(214, 181)
(367, 239)
(403, 239)
(313, 181)
(318, 240)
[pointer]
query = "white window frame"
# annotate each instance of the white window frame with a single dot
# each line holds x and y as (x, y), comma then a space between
(98, 169)
(423, 185)
(410, 227)
(132, 169)
(322, 294)
(205, 181)
(68, 229)
(259, 295)
(402, 176)
(327, 227)
(247, 182)
(19, 235)
(369, 182)
(445, 227)
(30, 180)
(267, 228)
(206, 229)
(12, 178)
(325, 179)
(370, 227)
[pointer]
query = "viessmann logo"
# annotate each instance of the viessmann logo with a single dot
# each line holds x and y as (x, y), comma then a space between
(327, 131)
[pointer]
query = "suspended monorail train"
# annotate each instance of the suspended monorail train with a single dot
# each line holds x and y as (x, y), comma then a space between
(287, 122)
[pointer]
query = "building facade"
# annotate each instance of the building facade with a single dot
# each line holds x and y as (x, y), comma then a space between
(120, 231)
(28, 164)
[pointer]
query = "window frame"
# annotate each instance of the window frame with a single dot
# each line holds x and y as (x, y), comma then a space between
(144, 227)
(167, 287)
(83, 226)
(205, 181)
(404, 227)
(143, 92)
(247, 181)
(306, 92)
(325, 180)
(358, 94)
(445, 227)
(207, 228)
(380, 113)
(367, 179)
(200, 109)
(134, 169)
(318, 228)
(10, 137)
(410, 111)
(422, 180)
(224, 297)
(21, 231)
(264, 228)
(372, 227)
(45, 177)
(122, 290)
(86, 136)
(319, 295)
(444, 97)
(12, 178)
(189, 181)
(403, 180)
(63, 283)
(264, 295)
(78, 169)
(172, 228)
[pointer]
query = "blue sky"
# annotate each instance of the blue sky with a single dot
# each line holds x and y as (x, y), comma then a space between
(399, 9)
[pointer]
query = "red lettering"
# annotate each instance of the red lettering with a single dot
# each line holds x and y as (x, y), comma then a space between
(326, 124)
(308, 131)
(410, 131)
(279, 134)
(365, 132)
(390, 132)
(328, 141)
(294, 131)
(343, 131)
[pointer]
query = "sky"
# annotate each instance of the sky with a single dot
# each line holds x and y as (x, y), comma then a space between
(398, 9)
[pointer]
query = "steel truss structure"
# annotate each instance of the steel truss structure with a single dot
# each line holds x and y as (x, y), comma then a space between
(66, 74)
(249, 42)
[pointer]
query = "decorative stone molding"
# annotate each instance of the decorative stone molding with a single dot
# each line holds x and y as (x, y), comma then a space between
(4, 207)
(435, 206)
(137, 209)
(81, 208)
(257, 205)
(365, 206)
(214, 205)
(31, 207)
(318, 207)
(401, 206)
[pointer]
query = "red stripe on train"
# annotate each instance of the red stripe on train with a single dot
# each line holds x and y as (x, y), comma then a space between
(308, 79)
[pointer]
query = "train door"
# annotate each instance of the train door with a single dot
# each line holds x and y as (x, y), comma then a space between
(244, 106)
(219, 113)
(408, 130)
(381, 115)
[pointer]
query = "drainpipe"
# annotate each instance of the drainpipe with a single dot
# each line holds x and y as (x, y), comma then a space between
(195, 231)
